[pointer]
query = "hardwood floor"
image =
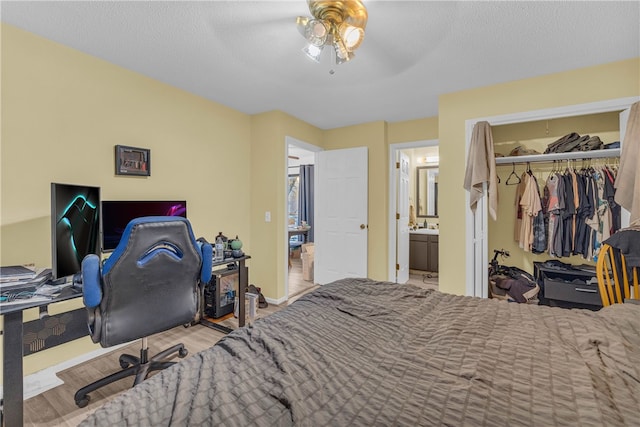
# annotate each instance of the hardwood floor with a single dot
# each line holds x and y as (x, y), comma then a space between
(297, 284)
(423, 279)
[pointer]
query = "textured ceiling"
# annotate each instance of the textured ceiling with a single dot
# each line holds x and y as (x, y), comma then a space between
(247, 54)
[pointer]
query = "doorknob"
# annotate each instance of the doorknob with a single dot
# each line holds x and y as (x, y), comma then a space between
(362, 226)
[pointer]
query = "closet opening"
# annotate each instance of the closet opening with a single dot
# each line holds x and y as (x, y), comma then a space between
(520, 141)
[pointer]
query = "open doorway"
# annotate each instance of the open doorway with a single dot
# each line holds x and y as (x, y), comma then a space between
(414, 236)
(299, 216)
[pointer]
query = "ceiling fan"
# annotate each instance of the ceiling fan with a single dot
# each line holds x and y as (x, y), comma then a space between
(339, 24)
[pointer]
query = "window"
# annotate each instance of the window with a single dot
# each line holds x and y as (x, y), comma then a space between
(292, 199)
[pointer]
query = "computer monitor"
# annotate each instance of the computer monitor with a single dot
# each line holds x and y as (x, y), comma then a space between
(116, 214)
(75, 227)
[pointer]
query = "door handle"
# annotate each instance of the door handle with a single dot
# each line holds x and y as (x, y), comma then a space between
(362, 226)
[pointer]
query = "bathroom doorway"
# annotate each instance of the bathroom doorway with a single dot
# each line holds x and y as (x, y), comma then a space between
(414, 245)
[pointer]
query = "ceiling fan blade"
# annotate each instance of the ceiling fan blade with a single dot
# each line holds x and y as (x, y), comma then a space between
(424, 26)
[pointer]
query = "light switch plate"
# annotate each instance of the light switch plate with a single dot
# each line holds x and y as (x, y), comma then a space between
(267, 216)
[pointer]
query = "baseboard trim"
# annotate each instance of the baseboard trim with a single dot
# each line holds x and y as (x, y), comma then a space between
(46, 379)
(276, 301)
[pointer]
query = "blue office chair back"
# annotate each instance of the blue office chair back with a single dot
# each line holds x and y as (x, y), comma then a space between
(149, 284)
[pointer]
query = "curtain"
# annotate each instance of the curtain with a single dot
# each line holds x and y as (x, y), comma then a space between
(305, 197)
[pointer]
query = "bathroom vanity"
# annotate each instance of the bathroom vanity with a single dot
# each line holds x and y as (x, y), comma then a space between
(423, 249)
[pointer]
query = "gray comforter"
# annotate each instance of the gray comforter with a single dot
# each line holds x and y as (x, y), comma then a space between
(359, 352)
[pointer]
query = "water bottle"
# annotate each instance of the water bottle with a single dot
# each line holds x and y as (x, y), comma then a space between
(219, 249)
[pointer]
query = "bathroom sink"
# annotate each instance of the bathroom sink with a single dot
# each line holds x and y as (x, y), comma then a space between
(425, 231)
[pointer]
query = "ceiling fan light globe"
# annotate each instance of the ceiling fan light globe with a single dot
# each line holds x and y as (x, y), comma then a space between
(352, 36)
(316, 32)
(301, 24)
(313, 52)
(340, 48)
(343, 55)
(319, 29)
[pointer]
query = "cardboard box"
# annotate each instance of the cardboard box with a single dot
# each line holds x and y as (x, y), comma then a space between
(307, 261)
(295, 253)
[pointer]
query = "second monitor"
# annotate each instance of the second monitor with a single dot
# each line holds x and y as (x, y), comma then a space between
(116, 214)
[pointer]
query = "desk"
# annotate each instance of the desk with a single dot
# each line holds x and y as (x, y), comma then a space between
(304, 232)
(13, 386)
(243, 283)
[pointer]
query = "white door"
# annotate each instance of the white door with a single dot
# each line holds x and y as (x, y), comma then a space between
(402, 221)
(341, 229)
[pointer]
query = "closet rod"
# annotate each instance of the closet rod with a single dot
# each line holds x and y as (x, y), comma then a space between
(573, 155)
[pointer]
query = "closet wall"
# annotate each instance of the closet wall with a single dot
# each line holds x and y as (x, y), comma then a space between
(537, 135)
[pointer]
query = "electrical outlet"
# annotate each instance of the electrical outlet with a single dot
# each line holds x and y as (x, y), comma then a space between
(267, 216)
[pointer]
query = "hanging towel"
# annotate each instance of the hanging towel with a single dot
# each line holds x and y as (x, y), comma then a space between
(481, 168)
(628, 178)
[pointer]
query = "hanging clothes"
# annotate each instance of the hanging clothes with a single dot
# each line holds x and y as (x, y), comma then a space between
(573, 214)
(517, 228)
(555, 205)
(586, 212)
(481, 168)
(531, 206)
(539, 244)
(568, 214)
(604, 215)
(609, 194)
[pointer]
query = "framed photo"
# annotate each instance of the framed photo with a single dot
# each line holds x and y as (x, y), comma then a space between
(133, 161)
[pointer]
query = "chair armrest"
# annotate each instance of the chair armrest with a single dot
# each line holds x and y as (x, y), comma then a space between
(91, 284)
(207, 261)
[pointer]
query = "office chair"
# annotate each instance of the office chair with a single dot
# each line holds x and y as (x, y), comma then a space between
(615, 280)
(149, 284)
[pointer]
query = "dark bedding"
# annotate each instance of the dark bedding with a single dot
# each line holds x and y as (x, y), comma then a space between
(359, 352)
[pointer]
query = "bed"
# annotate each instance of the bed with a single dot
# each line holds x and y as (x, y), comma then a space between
(361, 352)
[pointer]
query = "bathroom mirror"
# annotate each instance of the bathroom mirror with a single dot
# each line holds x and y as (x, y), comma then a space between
(427, 191)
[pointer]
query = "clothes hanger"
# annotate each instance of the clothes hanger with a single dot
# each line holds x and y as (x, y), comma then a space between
(513, 174)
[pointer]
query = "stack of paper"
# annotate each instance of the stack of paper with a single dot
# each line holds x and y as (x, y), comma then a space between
(17, 276)
(16, 272)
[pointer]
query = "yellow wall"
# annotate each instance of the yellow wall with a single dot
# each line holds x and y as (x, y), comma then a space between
(64, 111)
(412, 130)
(62, 114)
(609, 81)
(268, 191)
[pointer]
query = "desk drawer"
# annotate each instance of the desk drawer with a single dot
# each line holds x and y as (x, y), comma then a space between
(583, 293)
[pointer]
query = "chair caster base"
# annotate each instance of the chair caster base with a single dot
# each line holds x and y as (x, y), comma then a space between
(81, 403)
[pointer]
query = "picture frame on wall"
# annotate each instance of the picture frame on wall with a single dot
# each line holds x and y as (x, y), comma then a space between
(133, 161)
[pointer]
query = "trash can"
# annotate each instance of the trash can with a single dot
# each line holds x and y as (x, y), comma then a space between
(307, 261)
